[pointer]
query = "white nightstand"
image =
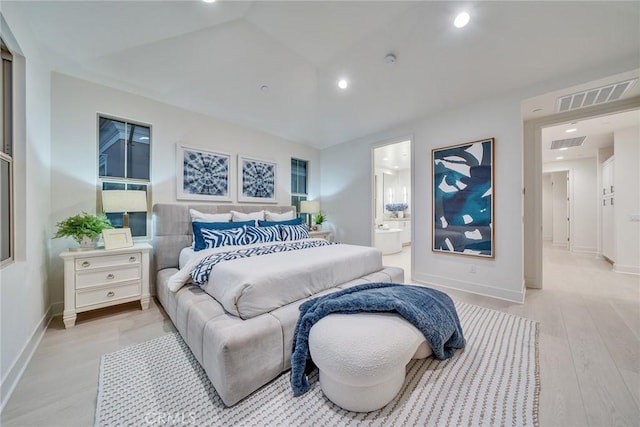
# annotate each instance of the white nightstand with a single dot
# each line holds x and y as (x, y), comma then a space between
(100, 278)
(326, 235)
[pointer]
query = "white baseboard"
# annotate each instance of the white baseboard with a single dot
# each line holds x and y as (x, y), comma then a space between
(474, 288)
(560, 244)
(584, 250)
(16, 370)
(626, 269)
(57, 308)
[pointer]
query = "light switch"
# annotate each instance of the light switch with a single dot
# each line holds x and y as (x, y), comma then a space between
(634, 218)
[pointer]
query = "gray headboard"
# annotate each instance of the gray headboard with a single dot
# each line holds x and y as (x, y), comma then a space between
(172, 227)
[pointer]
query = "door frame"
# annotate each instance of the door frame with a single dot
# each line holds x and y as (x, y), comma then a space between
(532, 179)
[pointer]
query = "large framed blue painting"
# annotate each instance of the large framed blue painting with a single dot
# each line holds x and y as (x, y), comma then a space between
(463, 197)
(203, 174)
(257, 180)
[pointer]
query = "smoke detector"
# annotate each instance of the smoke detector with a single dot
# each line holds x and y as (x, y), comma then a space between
(390, 59)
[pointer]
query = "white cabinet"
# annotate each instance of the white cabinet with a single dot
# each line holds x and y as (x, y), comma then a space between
(405, 227)
(100, 278)
(607, 205)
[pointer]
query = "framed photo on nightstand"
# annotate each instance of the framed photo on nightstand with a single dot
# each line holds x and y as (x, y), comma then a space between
(117, 238)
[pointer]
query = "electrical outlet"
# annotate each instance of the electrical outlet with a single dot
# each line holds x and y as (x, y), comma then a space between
(472, 269)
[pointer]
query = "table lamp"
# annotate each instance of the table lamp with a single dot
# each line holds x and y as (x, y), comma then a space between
(309, 207)
(125, 201)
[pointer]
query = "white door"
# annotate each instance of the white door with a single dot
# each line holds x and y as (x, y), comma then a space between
(560, 210)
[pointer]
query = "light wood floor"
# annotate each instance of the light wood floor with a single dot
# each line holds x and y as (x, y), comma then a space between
(589, 349)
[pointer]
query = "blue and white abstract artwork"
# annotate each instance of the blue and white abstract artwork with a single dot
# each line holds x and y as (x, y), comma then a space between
(205, 175)
(463, 199)
(257, 179)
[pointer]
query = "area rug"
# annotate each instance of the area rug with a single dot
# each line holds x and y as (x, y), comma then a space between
(494, 381)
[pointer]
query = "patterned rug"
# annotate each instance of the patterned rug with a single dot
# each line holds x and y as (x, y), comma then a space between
(494, 381)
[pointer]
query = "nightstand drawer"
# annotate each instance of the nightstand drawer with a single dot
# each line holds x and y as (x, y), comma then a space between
(106, 276)
(106, 294)
(107, 261)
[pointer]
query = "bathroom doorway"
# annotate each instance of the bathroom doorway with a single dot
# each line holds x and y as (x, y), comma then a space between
(392, 202)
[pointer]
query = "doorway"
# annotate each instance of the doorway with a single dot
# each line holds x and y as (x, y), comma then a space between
(533, 172)
(392, 201)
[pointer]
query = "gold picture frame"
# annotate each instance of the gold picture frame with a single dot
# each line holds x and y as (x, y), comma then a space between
(117, 238)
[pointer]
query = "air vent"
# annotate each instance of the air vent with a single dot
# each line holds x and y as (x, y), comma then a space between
(566, 143)
(595, 96)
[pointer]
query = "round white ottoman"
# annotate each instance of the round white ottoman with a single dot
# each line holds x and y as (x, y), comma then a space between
(362, 357)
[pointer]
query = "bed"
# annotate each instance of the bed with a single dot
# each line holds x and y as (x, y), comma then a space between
(239, 323)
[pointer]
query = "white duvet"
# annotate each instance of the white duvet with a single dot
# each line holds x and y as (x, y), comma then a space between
(252, 286)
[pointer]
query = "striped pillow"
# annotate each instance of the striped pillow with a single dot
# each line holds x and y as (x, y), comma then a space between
(294, 232)
(261, 234)
(217, 238)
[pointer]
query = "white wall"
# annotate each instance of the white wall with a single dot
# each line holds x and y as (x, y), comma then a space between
(547, 207)
(74, 149)
(627, 199)
(24, 294)
(583, 181)
(347, 194)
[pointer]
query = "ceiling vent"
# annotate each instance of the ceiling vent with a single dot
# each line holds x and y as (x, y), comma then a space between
(567, 143)
(595, 96)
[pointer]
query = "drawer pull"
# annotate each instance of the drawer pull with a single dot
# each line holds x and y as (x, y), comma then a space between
(110, 276)
(86, 264)
(111, 293)
(132, 259)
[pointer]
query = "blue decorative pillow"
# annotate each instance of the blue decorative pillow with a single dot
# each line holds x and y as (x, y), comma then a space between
(217, 238)
(294, 232)
(261, 234)
(295, 221)
(198, 226)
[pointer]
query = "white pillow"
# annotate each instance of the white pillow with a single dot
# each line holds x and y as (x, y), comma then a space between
(205, 217)
(239, 216)
(272, 216)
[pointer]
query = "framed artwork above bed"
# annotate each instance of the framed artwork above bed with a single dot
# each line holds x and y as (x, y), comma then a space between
(203, 174)
(463, 199)
(257, 180)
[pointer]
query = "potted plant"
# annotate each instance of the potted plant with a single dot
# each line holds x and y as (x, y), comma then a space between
(319, 218)
(84, 229)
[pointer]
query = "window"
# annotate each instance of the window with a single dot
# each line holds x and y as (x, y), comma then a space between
(124, 164)
(298, 182)
(6, 156)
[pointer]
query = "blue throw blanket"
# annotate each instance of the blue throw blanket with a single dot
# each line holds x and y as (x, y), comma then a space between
(429, 310)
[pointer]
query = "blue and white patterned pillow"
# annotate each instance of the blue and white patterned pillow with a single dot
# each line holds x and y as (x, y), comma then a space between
(217, 238)
(261, 234)
(294, 232)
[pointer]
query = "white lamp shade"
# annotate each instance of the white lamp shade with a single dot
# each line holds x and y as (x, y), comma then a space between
(124, 201)
(309, 206)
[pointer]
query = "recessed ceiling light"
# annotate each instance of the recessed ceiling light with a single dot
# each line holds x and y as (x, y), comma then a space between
(563, 149)
(396, 167)
(461, 20)
(343, 84)
(209, 1)
(559, 158)
(264, 88)
(571, 130)
(385, 159)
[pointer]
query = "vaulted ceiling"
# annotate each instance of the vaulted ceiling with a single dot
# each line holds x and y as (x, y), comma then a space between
(215, 58)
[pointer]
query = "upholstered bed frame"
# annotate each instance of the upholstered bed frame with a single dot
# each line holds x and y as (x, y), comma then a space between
(239, 356)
